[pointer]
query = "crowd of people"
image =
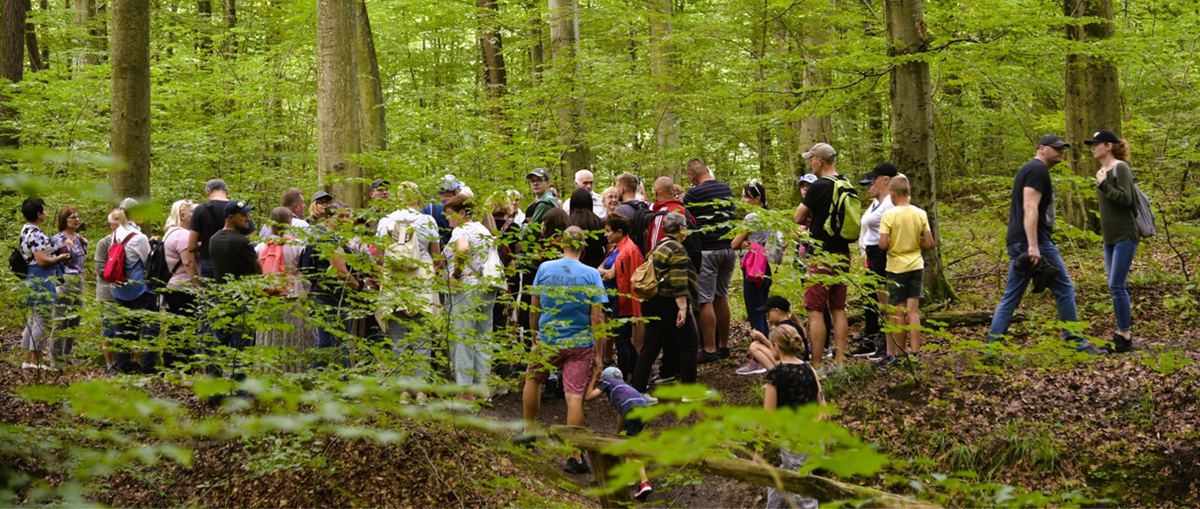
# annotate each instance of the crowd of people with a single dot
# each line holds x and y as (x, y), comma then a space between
(651, 272)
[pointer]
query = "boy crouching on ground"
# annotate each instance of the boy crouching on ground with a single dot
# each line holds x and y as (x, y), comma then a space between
(624, 399)
(903, 232)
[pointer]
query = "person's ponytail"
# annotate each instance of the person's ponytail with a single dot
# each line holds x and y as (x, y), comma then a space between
(1121, 151)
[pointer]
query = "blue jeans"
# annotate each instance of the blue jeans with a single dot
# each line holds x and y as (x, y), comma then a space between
(755, 295)
(1117, 260)
(327, 336)
(1062, 288)
(627, 355)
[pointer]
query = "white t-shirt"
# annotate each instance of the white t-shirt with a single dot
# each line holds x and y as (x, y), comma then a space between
(479, 239)
(871, 218)
(597, 206)
(424, 224)
(138, 247)
(296, 223)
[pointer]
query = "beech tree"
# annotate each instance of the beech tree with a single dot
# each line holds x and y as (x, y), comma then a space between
(129, 135)
(564, 42)
(662, 63)
(912, 125)
(12, 62)
(370, 88)
(337, 101)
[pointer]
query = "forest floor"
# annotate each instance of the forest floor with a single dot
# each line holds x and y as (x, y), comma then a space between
(1122, 427)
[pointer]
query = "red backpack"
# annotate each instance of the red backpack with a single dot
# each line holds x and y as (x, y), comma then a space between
(274, 270)
(114, 267)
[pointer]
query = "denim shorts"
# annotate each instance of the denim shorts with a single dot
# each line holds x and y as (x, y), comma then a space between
(906, 285)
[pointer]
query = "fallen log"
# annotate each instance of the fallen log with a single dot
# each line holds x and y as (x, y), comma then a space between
(964, 318)
(821, 488)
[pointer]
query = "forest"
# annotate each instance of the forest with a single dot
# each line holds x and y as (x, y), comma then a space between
(124, 108)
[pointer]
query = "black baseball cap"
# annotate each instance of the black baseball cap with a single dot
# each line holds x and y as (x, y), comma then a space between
(1103, 136)
(538, 173)
(1052, 140)
(881, 170)
(236, 207)
(377, 183)
(776, 302)
(321, 195)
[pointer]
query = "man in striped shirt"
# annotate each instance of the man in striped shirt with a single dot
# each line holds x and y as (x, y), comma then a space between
(710, 202)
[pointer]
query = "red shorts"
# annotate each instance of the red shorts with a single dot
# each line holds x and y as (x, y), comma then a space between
(576, 366)
(817, 297)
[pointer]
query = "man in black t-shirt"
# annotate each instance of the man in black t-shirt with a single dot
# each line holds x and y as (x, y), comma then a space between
(819, 298)
(1030, 225)
(207, 219)
(710, 202)
(233, 257)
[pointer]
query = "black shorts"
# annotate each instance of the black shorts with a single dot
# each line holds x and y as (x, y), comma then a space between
(633, 426)
(906, 285)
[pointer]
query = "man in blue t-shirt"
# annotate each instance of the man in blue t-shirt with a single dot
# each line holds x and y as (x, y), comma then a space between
(568, 302)
(1030, 225)
(448, 187)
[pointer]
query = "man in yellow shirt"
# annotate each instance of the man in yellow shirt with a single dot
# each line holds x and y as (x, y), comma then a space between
(903, 232)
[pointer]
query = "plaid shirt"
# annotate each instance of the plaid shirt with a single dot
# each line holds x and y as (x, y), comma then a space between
(674, 268)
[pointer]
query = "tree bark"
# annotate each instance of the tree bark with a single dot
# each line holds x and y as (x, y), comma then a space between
(1093, 102)
(229, 14)
(564, 41)
(337, 102)
(537, 56)
(129, 137)
(85, 10)
(812, 129)
(662, 63)
(12, 63)
(370, 88)
(912, 126)
(204, 17)
(490, 43)
(36, 62)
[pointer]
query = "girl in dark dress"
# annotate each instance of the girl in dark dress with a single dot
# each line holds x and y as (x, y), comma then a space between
(790, 384)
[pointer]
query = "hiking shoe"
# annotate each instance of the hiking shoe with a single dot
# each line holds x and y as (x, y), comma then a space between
(707, 357)
(664, 380)
(864, 350)
(575, 466)
(1120, 344)
(751, 368)
(523, 440)
(724, 353)
(887, 361)
(650, 400)
(643, 491)
(1092, 350)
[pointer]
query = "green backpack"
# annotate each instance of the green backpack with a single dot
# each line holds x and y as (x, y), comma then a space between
(845, 210)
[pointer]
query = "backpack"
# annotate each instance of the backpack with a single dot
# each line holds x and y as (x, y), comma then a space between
(754, 264)
(775, 248)
(274, 270)
(17, 263)
(845, 210)
(645, 280)
(1143, 213)
(404, 252)
(639, 224)
(114, 267)
(157, 273)
(492, 271)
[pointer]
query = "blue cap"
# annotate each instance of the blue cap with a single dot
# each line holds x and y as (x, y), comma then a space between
(448, 184)
(236, 207)
(610, 373)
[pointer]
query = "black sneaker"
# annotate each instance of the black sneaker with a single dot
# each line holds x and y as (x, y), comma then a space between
(707, 357)
(863, 350)
(524, 440)
(577, 467)
(664, 379)
(1120, 344)
(724, 353)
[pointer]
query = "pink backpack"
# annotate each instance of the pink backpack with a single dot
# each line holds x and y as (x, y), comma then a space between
(274, 270)
(114, 265)
(754, 264)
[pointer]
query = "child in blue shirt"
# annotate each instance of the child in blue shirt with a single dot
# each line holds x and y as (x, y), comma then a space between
(624, 399)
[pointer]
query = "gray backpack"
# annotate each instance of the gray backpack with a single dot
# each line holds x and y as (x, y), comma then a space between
(1143, 213)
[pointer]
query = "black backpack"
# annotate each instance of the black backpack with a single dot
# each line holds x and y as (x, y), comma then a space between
(158, 274)
(640, 223)
(17, 263)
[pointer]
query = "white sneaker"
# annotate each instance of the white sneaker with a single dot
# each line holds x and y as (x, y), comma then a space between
(709, 394)
(28, 365)
(650, 400)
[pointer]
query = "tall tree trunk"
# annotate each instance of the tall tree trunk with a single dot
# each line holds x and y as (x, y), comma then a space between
(813, 128)
(337, 101)
(36, 63)
(85, 10)
(204, 18)
(564, 41)
(491, 45)
(662, 63)
(370, 88)
(129, 137)
(1092, 103)
(229, 14)
(912, 126)
(12, 63)
(537, 56)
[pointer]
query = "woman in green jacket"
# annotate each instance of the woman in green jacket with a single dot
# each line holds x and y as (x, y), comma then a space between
(1114, 188)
